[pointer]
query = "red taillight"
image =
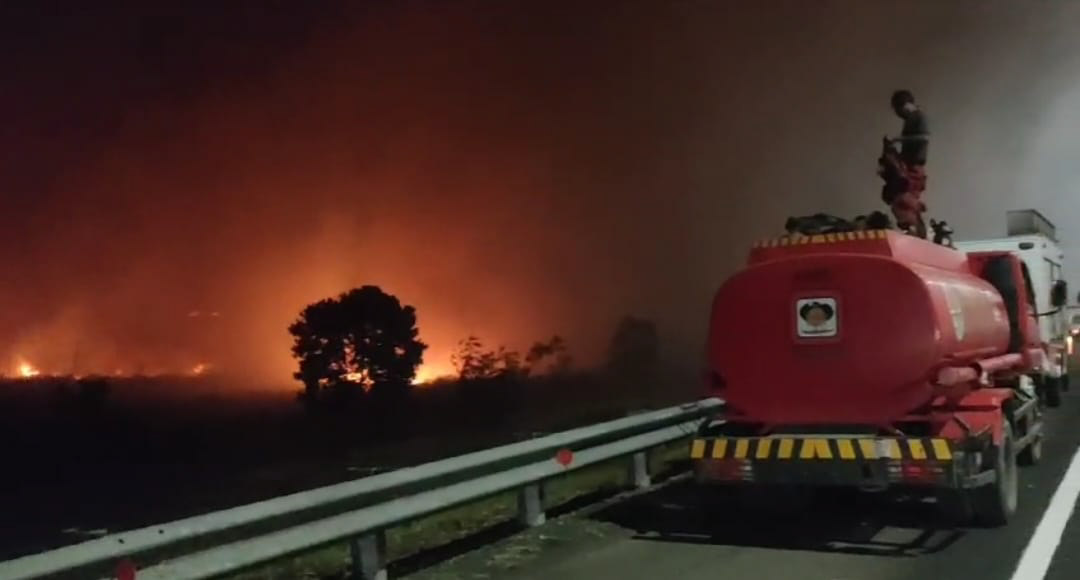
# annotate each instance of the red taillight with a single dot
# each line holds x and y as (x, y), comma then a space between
(921, 471)
(727, 469)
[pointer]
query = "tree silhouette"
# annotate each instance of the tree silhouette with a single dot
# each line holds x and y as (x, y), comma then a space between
(473, 362)
(363, 340)
(554, 350)
(490, 383)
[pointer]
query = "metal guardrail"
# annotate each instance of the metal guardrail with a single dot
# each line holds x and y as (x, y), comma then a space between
(359, 511)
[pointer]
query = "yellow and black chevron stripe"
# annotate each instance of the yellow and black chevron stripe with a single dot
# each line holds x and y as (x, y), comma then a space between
(786, 241)
(862, 448)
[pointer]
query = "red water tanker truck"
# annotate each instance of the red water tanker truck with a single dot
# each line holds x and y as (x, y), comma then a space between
(875, 360)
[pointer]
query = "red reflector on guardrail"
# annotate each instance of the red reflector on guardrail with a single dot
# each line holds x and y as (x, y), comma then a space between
(565, 457)
(125, 570)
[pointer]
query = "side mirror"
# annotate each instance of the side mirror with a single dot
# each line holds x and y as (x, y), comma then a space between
(1059, 294)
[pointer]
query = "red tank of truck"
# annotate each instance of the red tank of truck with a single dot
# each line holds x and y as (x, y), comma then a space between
(851, 328)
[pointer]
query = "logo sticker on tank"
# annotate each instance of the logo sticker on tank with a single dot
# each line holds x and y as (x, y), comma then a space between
(816, 317)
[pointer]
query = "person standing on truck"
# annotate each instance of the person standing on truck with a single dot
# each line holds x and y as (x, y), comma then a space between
(904, 170)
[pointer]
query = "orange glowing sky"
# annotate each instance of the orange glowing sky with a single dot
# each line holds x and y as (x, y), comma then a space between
(510, 173)
(332, 168)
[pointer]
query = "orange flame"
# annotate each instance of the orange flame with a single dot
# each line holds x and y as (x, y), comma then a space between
(27, 370)
(429, 373)
(426, 374)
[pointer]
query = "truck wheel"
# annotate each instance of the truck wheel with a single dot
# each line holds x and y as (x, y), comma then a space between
(996, 503)
(1052, 391)
(1032, 454)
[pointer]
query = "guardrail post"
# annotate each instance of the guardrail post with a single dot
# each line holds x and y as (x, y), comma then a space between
(639, 470)
(531, 506)
(368, 554)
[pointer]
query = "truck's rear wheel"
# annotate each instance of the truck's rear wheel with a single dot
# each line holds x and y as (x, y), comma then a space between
(1032, 454)
(995, 504)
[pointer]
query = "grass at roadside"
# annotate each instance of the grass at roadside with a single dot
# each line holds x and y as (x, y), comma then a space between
(469, 519)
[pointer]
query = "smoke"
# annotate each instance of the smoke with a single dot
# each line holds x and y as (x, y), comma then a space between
(512, 173)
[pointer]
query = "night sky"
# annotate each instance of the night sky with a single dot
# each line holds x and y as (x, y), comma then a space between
(513, 171)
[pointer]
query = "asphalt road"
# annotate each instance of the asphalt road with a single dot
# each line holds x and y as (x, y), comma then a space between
(667, 534)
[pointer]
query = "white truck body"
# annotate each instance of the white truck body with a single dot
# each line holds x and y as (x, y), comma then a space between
(1032, 238)
(1045, 264)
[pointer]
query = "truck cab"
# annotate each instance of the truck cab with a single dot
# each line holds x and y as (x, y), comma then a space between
(1033, 238)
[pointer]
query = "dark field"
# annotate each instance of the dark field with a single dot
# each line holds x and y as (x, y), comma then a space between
(83, 458)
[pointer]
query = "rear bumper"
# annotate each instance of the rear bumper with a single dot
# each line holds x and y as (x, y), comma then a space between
(868, 462)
